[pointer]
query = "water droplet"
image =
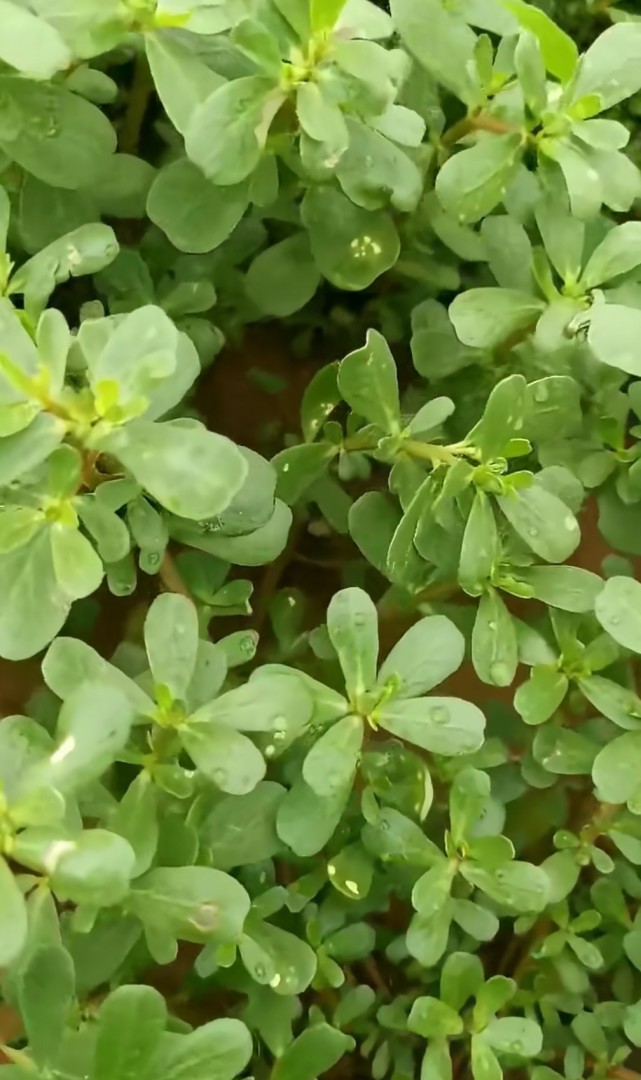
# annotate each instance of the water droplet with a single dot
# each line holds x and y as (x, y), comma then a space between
(219, 776)
(275, 981)
(259, 971)
(516, 1047)
(384, 825)
(439, 714)
(533, 531)
(570, 523)
(615, 620)
(541, 393)
(153, 558)
(352, 887)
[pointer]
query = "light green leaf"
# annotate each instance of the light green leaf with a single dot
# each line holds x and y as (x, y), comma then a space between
(543, 522)
(352, 247)
(223, 755)
(439, 724)
(427, 654)
(313, 1053)
(447, 51)
(13, 916)
(484, 1063)
(553, 408)
(559, 51)
(306, 821)
(321, 119)
(94, 868)
(514, 1035)
(484, 318)
(273, 703)
(469, 796)
(77, 566)
(352, 624)
(330, 765)
(219, 1050)
(69, 663)
(222, 135)
(494, 641)
(519, 886)
(194, 903)
(182, 80)
(195, 214)
(136, 819)
(24, 451)
(171, 639)
(433, 1019)
(613, 336)
(538, 699)
(502, 417)
(617, 771)
(618, 609)
(93, 727)
(472, 182)
(189, 470)
(611, 68)
(30, 44)
(619, 704)
(436, 1063)
(619, 253)
(570, 588)
(461, 978)
(131, 1023)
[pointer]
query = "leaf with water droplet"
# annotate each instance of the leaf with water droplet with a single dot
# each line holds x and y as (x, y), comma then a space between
(442, 725)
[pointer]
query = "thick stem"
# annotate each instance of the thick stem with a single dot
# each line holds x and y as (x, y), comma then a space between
(479, 122)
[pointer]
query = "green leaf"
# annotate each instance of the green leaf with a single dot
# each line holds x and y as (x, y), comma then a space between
(442, 725)
(283, 278)
(616, 771)
(183, 81)
(352, 625)
(136, 819)
(313, 1053)
(223, 755)
(77, 566)
(34, 607)
(368, 382)
(494, 641)
(570, 588)
(131, 1023)
(352, 247)
(241, 830)
(46, 991)
(93, 727)
(72, 143)
(195, 903)
(277, 957)
(222, 135)
(436, 1063)
(480, 547)
(518, 886)
(618, 609)
(619, 704)
(219, 1050)
(617, 254)
(330, 765)
(472, 182)
(484, 1063)
(543, 522)
(196, 215)
(514, 1035)
(559, 51)
(30, 44)
(469, 796)
(447, 51)
(306, 821)
(321, 119)
(427, 654)
(95, 868)
(611, 66)
(486, 318)
(299, 467)
(24, 451)
(13, 917)
(502, 417)
(538, 699)
(189, 470)
(171, 641)
(69, 663)
(433, 1019)
(461, 979)
(275, 702)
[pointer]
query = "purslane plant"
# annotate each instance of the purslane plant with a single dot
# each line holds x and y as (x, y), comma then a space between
(389, 825)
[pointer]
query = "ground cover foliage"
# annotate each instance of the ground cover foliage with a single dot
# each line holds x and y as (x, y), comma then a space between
(383, 820)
